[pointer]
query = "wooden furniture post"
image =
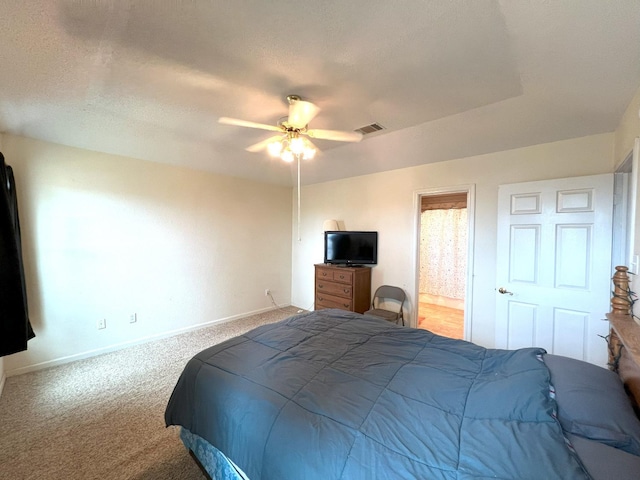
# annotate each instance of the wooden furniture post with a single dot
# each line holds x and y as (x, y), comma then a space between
(620, 302)
(620, 305)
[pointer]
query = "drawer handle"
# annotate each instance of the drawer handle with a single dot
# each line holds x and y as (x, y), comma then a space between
(342, 277)
(346, 305)
(346, 290)
(320, 286)
(320, 298)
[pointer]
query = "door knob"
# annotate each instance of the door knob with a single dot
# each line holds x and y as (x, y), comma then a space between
(503, 291)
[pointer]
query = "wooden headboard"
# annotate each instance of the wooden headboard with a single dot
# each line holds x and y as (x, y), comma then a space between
(624, 337)
(624, 353)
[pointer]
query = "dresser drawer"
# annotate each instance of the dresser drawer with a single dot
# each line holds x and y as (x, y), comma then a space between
(333, 288)
(324, 274)
(343, 276)
(335, 274)
(332, 301)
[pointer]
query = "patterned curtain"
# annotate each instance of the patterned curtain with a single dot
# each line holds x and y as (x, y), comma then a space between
(443, 252)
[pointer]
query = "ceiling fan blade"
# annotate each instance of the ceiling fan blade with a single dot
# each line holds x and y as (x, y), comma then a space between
(245, 123)
(309, 143)
(256, 147)
(301, 113)
(335, 135)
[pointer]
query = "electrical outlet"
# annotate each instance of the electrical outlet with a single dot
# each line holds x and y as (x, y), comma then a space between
(133, 318)
(102, 323)
(267, 292)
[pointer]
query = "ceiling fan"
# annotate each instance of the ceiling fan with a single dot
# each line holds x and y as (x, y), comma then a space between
(292, 141)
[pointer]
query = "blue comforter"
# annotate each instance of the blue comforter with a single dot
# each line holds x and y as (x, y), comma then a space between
(337, 395)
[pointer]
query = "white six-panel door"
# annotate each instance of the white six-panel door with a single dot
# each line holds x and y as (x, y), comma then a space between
(554, 266)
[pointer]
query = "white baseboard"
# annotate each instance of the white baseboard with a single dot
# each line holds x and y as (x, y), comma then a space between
(2, 380)
(119, 346)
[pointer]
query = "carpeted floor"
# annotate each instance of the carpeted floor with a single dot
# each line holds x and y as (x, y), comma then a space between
(104, 417)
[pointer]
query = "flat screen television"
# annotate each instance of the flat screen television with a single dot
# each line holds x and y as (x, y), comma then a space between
(351, 248)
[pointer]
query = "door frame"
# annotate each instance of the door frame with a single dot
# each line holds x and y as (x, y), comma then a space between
(470, 190)
(625, 199)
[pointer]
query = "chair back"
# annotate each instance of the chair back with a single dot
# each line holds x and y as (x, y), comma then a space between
(389, 292)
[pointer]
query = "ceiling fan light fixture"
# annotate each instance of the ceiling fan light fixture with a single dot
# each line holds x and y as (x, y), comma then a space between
(291, 146)
(275, 148)
(308, 153)
(297, 145)
(287, 155)
(309, 150)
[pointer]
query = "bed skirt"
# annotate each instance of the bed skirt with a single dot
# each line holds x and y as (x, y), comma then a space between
(214, 462)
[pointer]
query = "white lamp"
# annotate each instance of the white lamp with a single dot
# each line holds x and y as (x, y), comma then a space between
(330, 225)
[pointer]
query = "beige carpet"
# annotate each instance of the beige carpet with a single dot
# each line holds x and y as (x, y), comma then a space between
(104, 417)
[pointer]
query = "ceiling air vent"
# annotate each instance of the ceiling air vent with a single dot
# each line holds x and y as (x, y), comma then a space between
(367, 129)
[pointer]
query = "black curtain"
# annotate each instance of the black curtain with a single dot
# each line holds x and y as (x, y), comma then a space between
(15, 328)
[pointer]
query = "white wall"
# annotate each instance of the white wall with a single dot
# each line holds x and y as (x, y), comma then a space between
(106, 236)
(626, 134)
(628, 130)
(385, 202)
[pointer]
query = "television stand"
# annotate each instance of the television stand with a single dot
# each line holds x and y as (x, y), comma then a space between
(347, 287)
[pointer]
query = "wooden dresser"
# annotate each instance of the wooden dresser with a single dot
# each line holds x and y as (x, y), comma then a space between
(346, 288)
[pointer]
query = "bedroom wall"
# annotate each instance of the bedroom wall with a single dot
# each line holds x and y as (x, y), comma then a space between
(628, 130)
(105, 237)
(385, 202)
(625, 135)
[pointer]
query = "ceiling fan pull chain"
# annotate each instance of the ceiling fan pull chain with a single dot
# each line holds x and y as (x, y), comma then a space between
(299, 237)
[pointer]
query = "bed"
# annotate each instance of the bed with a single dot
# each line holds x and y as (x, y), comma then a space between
(332, 394)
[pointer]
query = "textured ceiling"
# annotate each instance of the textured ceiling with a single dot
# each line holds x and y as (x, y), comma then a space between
(447, 78)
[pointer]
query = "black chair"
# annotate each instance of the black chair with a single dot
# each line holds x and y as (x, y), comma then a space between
(386, 296)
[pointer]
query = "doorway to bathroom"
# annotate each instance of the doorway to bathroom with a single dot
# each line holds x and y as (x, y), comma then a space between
(444, 239)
